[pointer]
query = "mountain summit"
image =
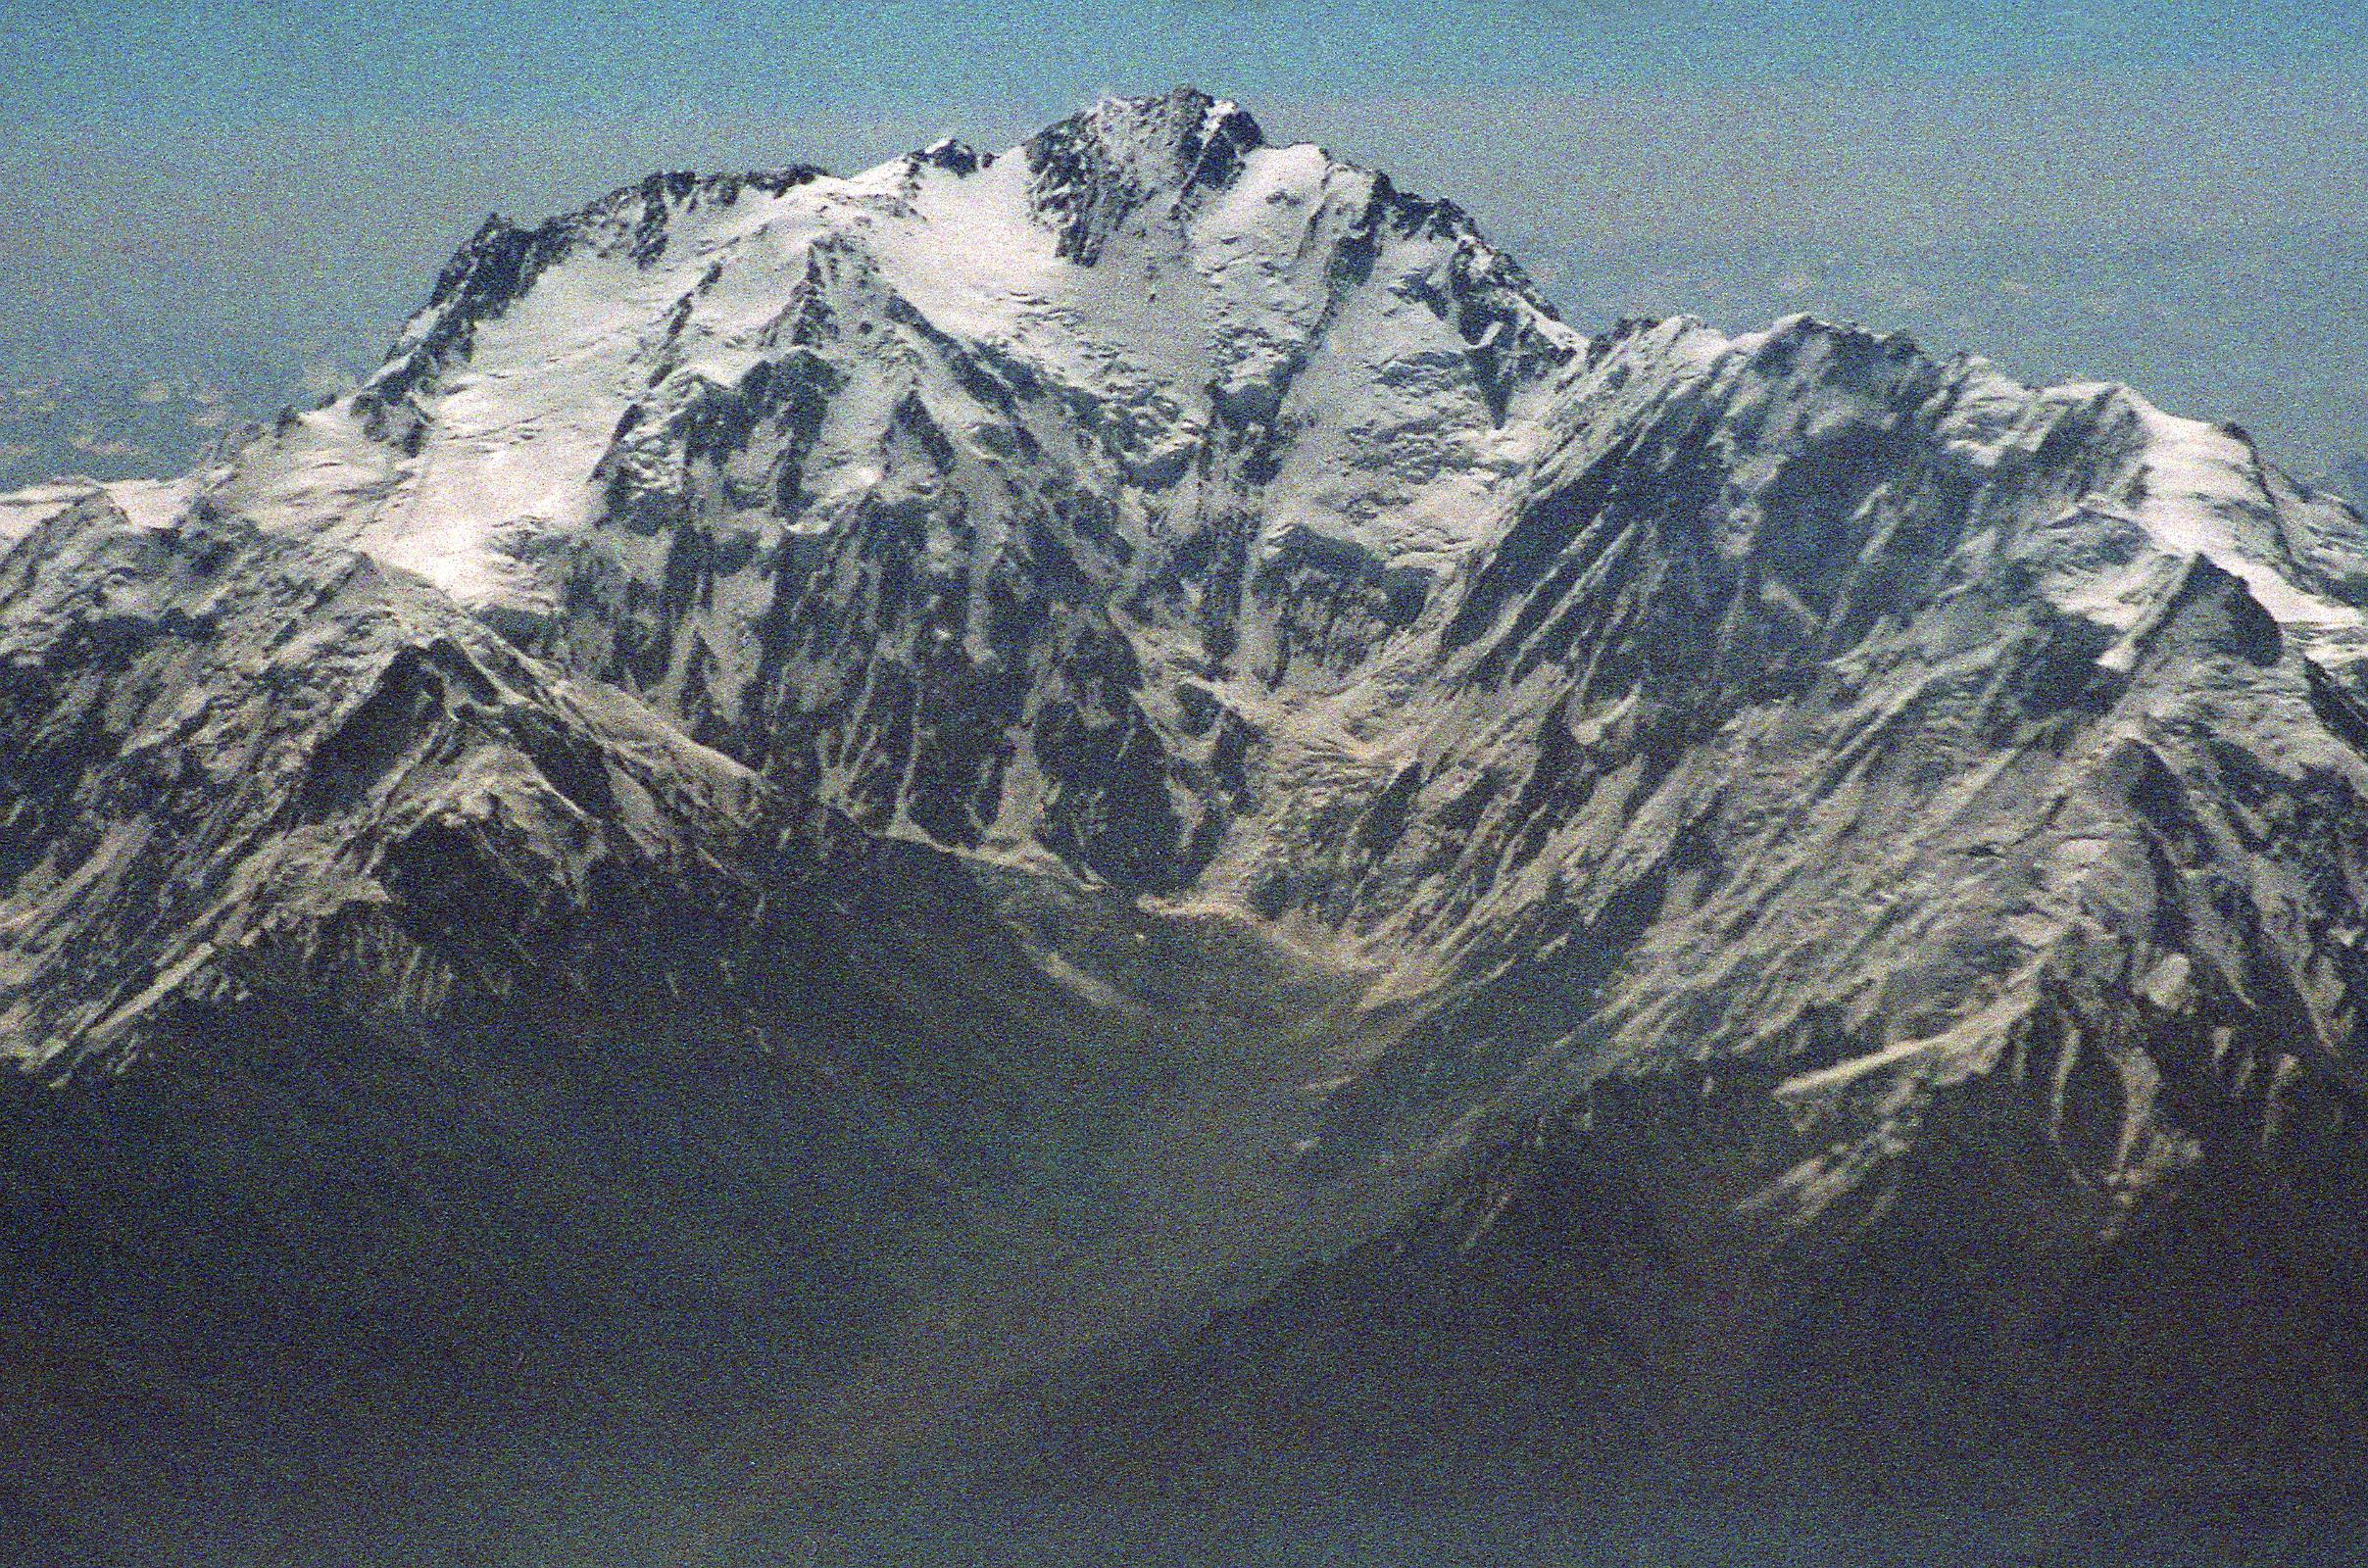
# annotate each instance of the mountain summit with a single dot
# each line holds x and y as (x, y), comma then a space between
(1113, 800)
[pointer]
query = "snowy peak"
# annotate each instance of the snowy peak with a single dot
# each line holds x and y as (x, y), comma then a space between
(1251, 316)
(930, 484)
(952, 155)
(501, 261)
(1092, 170)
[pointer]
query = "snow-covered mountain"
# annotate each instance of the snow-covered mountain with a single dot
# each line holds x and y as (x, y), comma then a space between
(1155, 658)
(980, 489)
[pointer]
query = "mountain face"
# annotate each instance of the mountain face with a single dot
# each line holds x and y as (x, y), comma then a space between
(1111, 798)
(981, 494)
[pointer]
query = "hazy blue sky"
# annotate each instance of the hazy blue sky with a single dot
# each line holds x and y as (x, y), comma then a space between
(194, 62)
(2150, 189)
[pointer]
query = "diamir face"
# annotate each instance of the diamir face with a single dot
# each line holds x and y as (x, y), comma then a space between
(1135, 728)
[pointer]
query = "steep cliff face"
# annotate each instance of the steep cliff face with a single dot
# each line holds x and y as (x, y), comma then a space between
(1148, 677)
